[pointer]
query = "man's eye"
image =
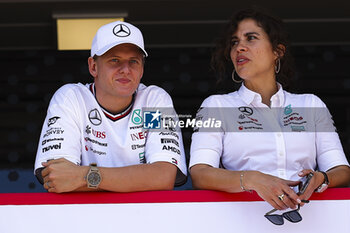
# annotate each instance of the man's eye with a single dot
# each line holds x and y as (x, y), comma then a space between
(134, 62)
(114, 60)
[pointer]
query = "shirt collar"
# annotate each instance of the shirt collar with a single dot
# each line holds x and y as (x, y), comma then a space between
(277, 100)
(248, 96)
(109, 115)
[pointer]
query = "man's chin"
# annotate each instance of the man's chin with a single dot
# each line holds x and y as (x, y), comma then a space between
(125, 93)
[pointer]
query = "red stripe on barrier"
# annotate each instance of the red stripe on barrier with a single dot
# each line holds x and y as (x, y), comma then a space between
(149, 197)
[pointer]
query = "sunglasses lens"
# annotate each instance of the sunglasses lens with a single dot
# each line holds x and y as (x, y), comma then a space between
(292, 216)
(275, 219)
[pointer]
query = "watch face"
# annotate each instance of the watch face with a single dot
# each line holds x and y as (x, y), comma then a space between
(94, 178)
(322, 188)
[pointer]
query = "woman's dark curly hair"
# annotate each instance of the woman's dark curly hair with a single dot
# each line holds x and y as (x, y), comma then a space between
(221, 61)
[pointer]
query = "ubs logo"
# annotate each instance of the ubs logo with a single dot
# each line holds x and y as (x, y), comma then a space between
(95, 117)
(96, 133)
(121, 30)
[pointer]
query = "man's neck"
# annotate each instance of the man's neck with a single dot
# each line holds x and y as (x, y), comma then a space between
(116, 105)
(113, 104)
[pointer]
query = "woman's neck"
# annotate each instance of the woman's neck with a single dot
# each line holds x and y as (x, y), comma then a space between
(265, 89)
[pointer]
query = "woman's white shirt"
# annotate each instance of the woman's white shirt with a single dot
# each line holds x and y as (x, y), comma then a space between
(296, 133)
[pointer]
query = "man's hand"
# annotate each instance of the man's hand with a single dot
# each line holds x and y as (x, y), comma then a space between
(61, 175)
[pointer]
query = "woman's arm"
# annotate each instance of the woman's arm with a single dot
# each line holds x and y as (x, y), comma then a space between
(268, 187)
(338, 176)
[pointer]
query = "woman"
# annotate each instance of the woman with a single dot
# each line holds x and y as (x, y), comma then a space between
(258, 157)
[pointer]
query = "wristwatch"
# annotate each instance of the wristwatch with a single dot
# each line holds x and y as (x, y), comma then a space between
(93, 177)
(324, 185)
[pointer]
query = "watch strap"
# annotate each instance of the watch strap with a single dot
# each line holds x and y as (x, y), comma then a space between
(93, 167)
(326, 180)
(324, 185)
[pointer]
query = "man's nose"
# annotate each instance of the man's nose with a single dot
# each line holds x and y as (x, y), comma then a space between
(125, 67)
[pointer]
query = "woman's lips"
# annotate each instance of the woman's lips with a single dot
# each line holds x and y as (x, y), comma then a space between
(241, 60)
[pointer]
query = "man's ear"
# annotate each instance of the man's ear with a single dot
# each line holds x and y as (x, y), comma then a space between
(280, 51)
(92, 67)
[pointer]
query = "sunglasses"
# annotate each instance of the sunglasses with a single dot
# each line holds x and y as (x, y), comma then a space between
(292, 216)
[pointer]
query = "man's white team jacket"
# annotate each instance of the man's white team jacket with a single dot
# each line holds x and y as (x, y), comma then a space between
(79, 129)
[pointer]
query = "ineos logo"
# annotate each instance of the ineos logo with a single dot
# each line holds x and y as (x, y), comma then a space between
(95, 117)
(121, 30)
(246, 110)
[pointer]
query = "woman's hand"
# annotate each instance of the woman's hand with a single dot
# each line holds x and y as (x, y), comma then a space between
(61, 175)
(315, 182)
(274, 190)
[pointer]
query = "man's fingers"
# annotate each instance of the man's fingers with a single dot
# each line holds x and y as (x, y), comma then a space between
(49, 162)
(53, 161)
(52, 190)
(46, 179)
(45, 172)
(47, 185)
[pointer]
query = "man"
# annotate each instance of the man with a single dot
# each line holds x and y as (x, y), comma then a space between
(93, 136)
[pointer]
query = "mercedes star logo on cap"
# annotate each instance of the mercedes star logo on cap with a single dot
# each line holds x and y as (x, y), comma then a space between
(121, 30)
(95, 117)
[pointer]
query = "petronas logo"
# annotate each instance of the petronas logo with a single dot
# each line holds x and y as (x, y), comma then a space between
(136, 117)
(288, 110)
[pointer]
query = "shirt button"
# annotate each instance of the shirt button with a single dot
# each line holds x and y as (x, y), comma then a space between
(279, 135)
(281, 153)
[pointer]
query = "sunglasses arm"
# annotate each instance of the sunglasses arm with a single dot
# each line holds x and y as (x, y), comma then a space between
(271, 211)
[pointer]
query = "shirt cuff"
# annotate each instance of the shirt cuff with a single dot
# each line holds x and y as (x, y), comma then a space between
(331, 159)
(176, 160)
(205, 156)
(38, 164)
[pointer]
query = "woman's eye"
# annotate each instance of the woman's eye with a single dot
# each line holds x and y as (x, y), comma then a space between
(251, 38)
(114, 60)
(133, 61)
(234, 42)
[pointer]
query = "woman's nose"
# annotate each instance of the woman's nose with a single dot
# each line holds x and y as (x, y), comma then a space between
(241, 47)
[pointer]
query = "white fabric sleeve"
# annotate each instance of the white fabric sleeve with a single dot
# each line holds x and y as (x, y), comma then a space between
(60, 132)
(328, 146)
(202, 153)
(164, 146)
(207, 145)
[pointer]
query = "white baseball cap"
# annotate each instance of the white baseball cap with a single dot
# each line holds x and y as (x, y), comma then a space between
(116, 33)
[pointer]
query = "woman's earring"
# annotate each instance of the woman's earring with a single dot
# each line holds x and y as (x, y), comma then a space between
(233, 77)
(278, 66)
